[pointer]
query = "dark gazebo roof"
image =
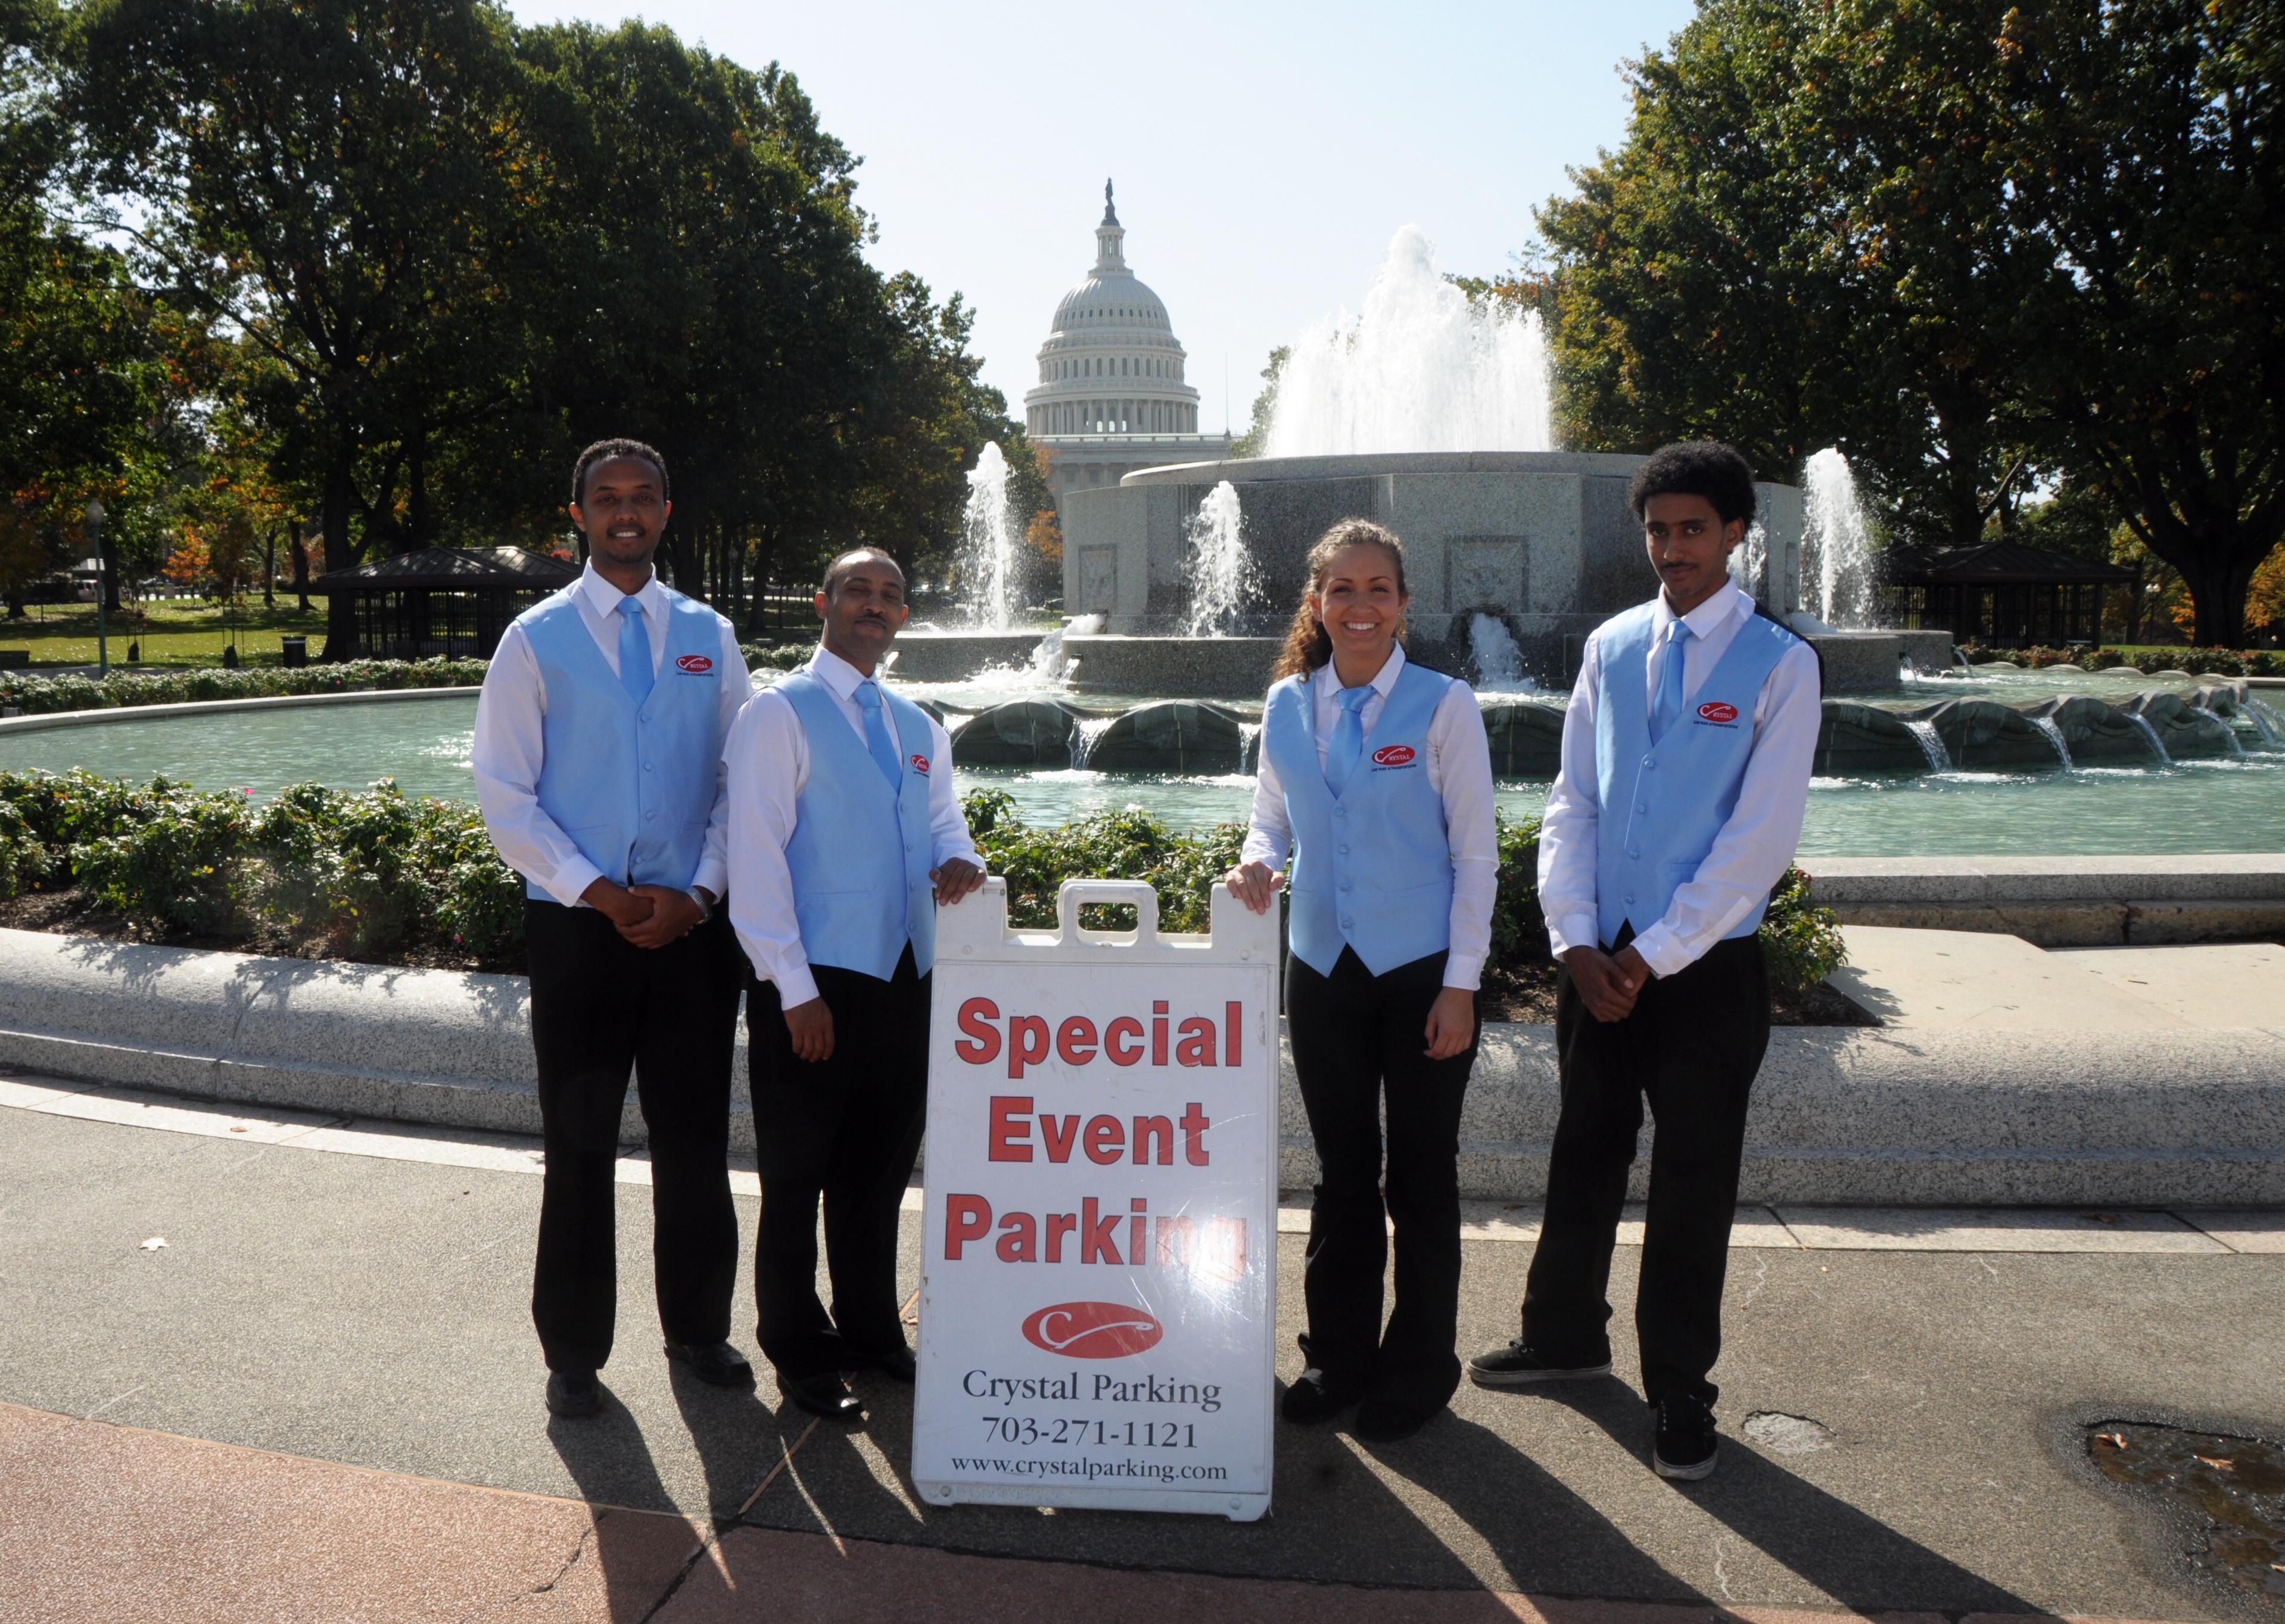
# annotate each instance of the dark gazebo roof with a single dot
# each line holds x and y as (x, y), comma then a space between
(1997, 563)
(452, 569)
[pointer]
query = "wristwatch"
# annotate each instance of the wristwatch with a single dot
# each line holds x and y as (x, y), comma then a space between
(705, 908)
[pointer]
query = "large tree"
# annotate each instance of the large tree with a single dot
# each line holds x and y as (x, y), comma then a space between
(331, 180)
(2161, 176)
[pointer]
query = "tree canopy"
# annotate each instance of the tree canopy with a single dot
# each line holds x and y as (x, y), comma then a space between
(1972, 244)
(393, 262)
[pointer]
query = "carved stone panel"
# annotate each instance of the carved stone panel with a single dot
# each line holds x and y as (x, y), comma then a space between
(1098, 581)
(1486, 572)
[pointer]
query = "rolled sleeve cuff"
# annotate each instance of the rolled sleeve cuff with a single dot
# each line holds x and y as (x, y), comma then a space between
(1572, 930)
(1664, 952)
(570, 882)
(1463, 970)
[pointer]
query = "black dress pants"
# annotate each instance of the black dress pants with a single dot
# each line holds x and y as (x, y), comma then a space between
(1690, 1046)
(844, 1130)
(1353, 1033)
(600, 1005)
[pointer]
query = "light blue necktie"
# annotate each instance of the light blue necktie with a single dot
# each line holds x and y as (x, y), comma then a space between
(1669, 708)
(877, 734)
(1348, 747)
(634, 651)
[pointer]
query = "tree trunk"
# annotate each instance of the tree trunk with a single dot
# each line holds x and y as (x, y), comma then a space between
(2218, 579)
(341, 608)
(765, 547)
(417, 503)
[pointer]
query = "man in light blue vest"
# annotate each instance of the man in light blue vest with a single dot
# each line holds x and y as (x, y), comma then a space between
(598, 766)
(1686, 757)
(844, 837)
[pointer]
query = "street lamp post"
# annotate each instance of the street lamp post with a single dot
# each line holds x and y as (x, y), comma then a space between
(102, 586)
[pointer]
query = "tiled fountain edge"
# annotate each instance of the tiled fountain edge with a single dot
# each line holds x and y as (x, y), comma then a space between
(1842, 1115)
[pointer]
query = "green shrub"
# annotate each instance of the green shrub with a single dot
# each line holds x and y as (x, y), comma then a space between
(1800, 940)
(174, 858)
(1518, 927)
(36, 695)
(786, 657)
(1120, 845)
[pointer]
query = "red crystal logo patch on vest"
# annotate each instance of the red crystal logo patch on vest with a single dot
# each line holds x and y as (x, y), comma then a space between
(696, 664)
(1393, 755)
(1714, 710)
(1092, 1330)
(919, 764)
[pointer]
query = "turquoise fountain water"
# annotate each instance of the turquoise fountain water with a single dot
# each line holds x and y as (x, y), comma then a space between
(2224, 803)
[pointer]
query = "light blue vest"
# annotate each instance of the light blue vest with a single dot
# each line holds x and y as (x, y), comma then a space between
(1660, 807)
(633, 788)
(859, 851)
(1372, 869)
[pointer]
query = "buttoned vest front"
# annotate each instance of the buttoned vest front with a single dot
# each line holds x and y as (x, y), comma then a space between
(633, 786)
(1661, 806)
(1372, 867)
(859, 850)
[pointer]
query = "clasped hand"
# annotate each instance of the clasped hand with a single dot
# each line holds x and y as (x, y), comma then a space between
(1608, 983)
(647, 915)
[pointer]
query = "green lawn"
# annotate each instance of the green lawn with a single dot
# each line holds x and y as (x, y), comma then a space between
(178, 631)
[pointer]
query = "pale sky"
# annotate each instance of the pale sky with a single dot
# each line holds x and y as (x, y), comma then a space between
(1264, 152)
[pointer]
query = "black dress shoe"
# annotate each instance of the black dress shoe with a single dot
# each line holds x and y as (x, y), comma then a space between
(827, 1396)
(717, 1364)
(573, 1393)
(1315, 1396)
(897, 1364)
(1385, 1417)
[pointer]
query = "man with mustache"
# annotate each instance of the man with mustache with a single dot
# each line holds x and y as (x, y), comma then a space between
(845, 836)
(1686, 756)
(598, 766)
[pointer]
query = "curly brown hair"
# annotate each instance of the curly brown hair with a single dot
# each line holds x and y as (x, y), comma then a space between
(1308, 645)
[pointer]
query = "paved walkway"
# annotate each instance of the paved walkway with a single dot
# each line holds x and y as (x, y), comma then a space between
(1994, 983)
(319, 1400)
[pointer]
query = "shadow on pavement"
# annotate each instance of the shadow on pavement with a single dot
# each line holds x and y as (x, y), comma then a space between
(1856, 1559)
(1545, 1535)
(608, 1458)
(735, 1435)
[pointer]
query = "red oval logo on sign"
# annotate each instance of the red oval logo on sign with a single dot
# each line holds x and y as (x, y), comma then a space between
(1394, 756)
(1092, 1330)
(696, 664)
(1714, 710)
(919, 764)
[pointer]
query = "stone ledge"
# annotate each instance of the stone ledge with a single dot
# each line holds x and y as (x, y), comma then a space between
(1844, 1116)
(207, 707)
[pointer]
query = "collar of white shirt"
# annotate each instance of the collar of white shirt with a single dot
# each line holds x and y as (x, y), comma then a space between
(1383, 680)
(840, 678)
(1703, 620)
(605, 599)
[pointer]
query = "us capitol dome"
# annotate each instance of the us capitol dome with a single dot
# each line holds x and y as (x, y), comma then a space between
(1112, 397)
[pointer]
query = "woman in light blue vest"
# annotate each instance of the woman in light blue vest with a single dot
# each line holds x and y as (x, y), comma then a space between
(1376, 775)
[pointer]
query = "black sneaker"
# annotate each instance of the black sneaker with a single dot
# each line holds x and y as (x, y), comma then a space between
(1518, 1366)
(574, 1392)
(1315, 1397)
(1683, 1446)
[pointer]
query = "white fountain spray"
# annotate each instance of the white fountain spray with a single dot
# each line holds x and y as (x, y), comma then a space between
(1931, 743)
(1834, 543)
(1423, 369)
(988, 558)
(1749, 563)
(1224, 576)
(1499, 662)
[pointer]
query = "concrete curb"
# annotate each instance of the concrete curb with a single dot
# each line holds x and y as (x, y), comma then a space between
(1842, 1115)
(207, 707)
(2062, 901)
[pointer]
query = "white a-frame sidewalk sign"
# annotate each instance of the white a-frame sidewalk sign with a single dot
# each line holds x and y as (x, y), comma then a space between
(1098, 1277)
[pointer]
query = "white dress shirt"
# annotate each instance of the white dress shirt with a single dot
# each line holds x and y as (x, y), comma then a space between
(1754, 848)
(510, 742)
(768, 761)
(1459, 770)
